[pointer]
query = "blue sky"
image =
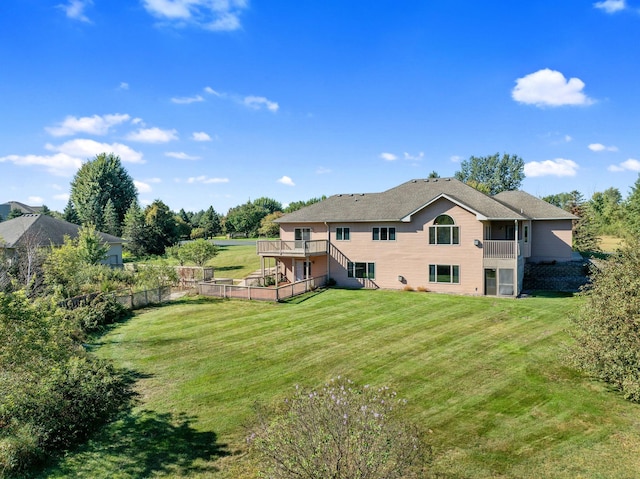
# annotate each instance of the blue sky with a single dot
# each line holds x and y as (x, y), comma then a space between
(216, 102)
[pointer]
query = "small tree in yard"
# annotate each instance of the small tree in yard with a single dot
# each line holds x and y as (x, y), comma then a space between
(607, 326)
(342, 432)
(198, 252)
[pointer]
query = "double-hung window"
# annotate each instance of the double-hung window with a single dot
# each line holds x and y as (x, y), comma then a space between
(444, 273)
(342, 234)
(361, 270)
(384, 233)
(444, 231)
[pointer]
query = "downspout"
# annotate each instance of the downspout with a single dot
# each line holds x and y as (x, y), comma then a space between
(516, 276)
(328, 250)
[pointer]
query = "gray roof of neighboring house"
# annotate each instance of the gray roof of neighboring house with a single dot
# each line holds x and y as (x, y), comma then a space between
(401, 202)
(5, 208)
(45, 229)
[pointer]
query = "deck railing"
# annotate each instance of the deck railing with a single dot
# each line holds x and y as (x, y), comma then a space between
(261, 293)
(292, 248)
(501, 249)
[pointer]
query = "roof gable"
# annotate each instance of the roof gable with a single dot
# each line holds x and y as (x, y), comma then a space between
(401, 203)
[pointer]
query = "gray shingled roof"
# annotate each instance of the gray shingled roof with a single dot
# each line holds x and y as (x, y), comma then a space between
(532, 207)
(399, 203)
(46, 229)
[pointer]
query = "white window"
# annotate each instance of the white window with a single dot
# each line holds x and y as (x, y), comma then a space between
(444, 231)
(444, 273)
(384, 234)
(361, 270)
(342, 234)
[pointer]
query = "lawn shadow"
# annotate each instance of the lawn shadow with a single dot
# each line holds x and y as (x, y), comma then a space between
(229, 268)
(143, 444)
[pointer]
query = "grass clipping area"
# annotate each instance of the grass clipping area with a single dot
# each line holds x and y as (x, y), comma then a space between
(485, 377)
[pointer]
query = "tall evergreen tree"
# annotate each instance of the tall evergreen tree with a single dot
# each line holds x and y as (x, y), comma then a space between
(134, 230)
(111, 223)
(210, 223)
(584, 234)
(70, 214)
(97, 181)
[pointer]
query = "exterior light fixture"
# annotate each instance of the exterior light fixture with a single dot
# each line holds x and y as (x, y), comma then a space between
(476, 242)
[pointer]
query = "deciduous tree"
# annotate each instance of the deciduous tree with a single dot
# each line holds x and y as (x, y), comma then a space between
(492, 174)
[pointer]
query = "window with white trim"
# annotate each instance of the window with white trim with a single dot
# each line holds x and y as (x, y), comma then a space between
(361, 270)
(444, 273)
(343, 234)
(444, 231)
(302, 234)
(384, 233)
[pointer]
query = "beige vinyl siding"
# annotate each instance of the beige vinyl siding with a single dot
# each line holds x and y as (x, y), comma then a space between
(551, 240)
(411, 254)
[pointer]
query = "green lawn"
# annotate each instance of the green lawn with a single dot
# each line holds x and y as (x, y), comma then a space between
(485, 376)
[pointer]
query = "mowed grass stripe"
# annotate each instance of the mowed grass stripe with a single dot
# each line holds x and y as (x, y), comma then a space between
(486, 375)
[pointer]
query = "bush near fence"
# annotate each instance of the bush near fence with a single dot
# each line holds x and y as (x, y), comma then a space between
(130, 299)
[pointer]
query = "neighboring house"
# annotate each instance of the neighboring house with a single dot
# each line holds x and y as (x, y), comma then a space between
(5, 208)
(44, 230)
(439, 234)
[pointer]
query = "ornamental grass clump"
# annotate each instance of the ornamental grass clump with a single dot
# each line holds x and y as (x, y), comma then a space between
(341, 431)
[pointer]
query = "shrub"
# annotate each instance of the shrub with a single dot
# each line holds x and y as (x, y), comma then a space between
(102, 310)
(607, 326)
(341, 432)
(52, 393)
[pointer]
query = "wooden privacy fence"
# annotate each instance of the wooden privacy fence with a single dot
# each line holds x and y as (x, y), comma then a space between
(261, 293)
(140, 299)
(128, 298)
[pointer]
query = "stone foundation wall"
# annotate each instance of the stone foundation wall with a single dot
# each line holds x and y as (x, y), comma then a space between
(568, 277)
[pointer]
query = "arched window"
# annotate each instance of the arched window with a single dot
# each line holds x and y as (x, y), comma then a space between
(444, 231)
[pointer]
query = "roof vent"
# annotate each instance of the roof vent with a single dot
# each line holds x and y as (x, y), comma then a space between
(426, 180)
(447, 179)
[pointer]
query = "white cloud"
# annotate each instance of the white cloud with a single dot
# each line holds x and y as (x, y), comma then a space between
(211, 91)
(257, 102)
(187, 100)
(60, 164)
(557, 167)
(549, 88)
(216, 15)
(611, 6)
(123, 86)
(601, 147)
(153, 135)
(142, 187)
(568, 138)
(388, 156)
(206, 180)
(35, 200)
(285, 180)
(75, 9)
(322, 170)
(417, 157)
(62, 197)
(456, 159)
(83, 149)
(179, 155)
(629, 165)
(93, 125)
(200, 136)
